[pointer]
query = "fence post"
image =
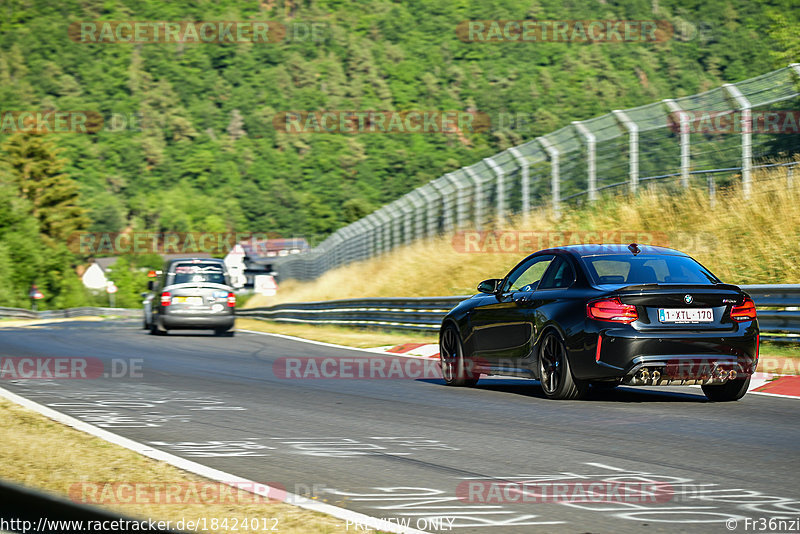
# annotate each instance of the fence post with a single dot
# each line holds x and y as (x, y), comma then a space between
(397, 223)
(407, 209)
(633, 148)
(416, 213)
(369, 236)
(747, 135)
(591, 168)
(789, 175)
(447, 207)
(712, 192)
(381, 227)
(430, 208)
(525, 167)
(459, 199)
(501, 204)
(683, 122)
(555, 180)
(476, 181)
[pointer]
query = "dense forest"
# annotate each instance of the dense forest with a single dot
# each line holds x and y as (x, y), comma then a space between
(188, 140)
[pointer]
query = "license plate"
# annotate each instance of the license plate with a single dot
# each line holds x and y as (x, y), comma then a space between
(194, 301)
(685, 315)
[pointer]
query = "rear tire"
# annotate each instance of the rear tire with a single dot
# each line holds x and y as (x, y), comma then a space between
(155, 331)
(554, 372)
(732, 390)
(455, 369)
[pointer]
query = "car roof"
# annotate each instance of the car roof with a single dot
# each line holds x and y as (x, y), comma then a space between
(601, 249)
(171, 263)
(196, 260)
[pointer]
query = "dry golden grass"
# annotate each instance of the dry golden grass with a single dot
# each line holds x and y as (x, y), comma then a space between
(741, 241)
(350, 337)
(43, 454)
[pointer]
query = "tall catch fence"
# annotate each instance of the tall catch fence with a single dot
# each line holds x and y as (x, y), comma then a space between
(711, 139)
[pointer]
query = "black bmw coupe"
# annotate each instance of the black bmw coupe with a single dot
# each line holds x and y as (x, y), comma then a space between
(584, 316)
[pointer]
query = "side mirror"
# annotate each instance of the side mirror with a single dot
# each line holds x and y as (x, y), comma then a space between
(489, 286)
(151, 285)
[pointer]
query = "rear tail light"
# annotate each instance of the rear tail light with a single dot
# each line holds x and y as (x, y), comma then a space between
(166, 298)
(745, 311)
(231, 300)
(612, 310)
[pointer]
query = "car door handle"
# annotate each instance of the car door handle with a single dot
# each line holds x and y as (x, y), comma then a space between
(522, 299)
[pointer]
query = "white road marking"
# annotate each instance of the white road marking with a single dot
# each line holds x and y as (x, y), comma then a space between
(208, 472)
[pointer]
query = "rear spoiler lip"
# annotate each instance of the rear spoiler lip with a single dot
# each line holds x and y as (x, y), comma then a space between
(643, 288)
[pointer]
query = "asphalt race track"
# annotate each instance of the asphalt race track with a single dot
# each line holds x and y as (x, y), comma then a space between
(409, 449)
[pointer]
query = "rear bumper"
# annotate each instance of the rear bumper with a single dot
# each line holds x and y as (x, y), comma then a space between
(646, 358)
(196, 322)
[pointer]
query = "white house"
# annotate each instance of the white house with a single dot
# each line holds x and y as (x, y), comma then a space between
(95, 275)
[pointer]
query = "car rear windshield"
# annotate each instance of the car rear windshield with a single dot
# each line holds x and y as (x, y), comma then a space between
(194, 273)
(647, 269)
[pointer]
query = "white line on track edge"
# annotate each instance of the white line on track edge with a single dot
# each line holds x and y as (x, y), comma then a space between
(324, 344)
(208, 472)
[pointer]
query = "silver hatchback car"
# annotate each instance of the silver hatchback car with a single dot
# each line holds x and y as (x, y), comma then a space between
(194, 294)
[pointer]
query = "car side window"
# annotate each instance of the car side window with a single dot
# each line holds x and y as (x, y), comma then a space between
(526, 277)
(560, 275)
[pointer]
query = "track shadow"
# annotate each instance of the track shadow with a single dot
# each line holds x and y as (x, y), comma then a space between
(533, 389)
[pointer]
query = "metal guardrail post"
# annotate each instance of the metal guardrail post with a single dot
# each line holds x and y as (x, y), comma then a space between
(591, 162)
(683, 122)
(633, 148)
(525, 178)
(476, 182)
(555, 179)
(747, 135)
(501, 205)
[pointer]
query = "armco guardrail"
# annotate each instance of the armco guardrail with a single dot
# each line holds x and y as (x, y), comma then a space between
(424, 313)
(778, 310)
(778, 313)
(69, 312)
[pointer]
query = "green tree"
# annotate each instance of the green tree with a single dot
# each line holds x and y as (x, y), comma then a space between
(37, 171)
